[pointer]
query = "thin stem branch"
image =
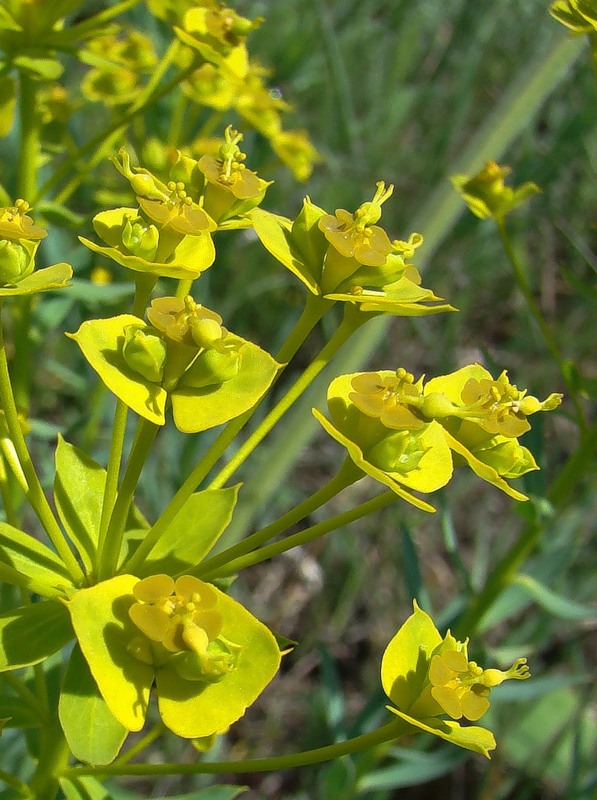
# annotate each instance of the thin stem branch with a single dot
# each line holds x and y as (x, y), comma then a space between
(341, 335)
(302, 537)
(348, 474)
(108, 558)
(35, 493)
(357, 744)
(546, 331)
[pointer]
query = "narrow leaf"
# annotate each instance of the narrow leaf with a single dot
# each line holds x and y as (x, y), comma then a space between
(30, 564)
(552, 602)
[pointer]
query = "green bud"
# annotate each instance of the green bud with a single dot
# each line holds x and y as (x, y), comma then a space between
(437, 406)
(205, 330)
(145, 351)
(399, 452)
(307, 237)
(184, 170)
(140, 239)
(212, 368)
(16, 260)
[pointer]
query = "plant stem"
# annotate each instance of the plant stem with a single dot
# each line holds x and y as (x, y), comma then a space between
(108, 557)
(144, 742)
(303, 537)
(546, 331)
(53, 761)
(312, 313)
(365, 741)
(27, 171)
(347, 327)
(35, 493)
(348, 474)
(21, 788)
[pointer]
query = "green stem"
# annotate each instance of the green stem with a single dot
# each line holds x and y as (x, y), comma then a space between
(144, 742)
(35, 493)
(112, 475)
(501, 576)
(23, 692)
(29, 152)
(27, 172)
(21, 788)
(347, 327)
(10, 457)
(347, 475)
(108, 557)
(176, 121)
(53, 761)
(546, 331)
(365, 741)
(303, 537)
(312, 313)
(183, 288)
(499, 579)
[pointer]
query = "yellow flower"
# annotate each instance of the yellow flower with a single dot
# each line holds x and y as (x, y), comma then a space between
(487, 194)
(428, 677)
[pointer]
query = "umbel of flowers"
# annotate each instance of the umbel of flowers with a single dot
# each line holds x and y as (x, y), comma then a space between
(408, 434)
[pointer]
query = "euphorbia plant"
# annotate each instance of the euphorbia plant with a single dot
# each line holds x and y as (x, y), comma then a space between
(132, 608)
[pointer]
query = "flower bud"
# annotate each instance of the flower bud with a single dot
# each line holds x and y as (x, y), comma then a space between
(144, 351)
(140, 238)
(213, 368)
(16, 260)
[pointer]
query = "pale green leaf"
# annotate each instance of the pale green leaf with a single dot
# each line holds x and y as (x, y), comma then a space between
(197, 410)
(192, 533)
(26, 562)
(30, 634)
(92, 732)
(78, 492)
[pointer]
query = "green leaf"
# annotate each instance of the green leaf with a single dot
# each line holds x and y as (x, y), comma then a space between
(59, 215)
(85, 787)
(197, 410)
(192, 533)
(104, 631)
(92, 733)
(30, 634)
(274, 232)
(552, 602)
(47, 69)
(471, 737)
(78, 491)
(28, 563)
(17, 713)
(42, 280)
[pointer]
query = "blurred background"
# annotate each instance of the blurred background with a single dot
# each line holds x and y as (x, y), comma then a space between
(409, 93)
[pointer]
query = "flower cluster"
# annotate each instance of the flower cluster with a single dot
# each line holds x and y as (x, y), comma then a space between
(429, 678)
(19, 241)
(208, 656)
(209, 374)
(349, 257)
(403, 432)
(487, 195)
